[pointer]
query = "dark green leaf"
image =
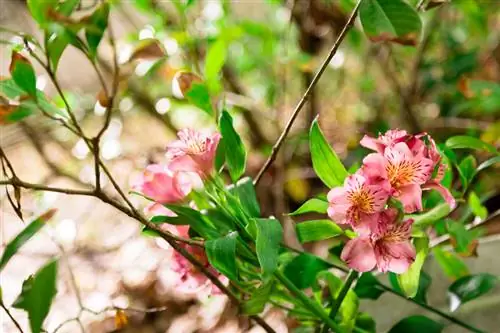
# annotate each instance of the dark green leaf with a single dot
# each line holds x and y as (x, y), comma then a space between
(98, 22)
(417, 324)
(19, 113)
(452, 265)
(245, 192)
(67, 7)
(313, 205)
(269, 235)
(24, 236)
(58, 38)
(258, 300)
(193, 218)
(390, 20)
(236, 156)
(220, 155)
(23, 73)
(409, 280)
(326, 163)
(469, 142)
(302, 270)
(37, 294)
(198, 96)
(469, 288)
(316, 230)
(221, 254)
(216, 56)
(368, 287)
(366, 322)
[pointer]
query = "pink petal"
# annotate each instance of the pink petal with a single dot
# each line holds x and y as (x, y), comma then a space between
(379, 195)
(447, 196)
(400, 256)
(411, 197)
(366, 224)
(337, 195)
(359, 255)
(372, 143)
(183, 163)
(338, 213)
(374, 167)
(155, 209)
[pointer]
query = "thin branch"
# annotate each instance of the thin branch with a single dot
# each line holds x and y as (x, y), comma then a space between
(11, 317)
(305, 97)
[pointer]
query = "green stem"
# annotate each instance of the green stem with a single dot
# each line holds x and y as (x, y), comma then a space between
(310, 304)
(342, 294)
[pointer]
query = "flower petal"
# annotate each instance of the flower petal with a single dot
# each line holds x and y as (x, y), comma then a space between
(447, 196)
(372, 143)
(359, 255)
(411, 197)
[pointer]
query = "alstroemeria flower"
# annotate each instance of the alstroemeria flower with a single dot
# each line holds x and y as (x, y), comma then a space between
(163, 185)
(388, 247)
(356, 202)
(194, 151)
(403, 171)
(384, 140)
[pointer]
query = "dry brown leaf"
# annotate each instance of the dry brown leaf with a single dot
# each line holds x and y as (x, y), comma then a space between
(435, 3)
(185, 80)
(464, 87)
(148, 49)
(5, 110)
(17, 57)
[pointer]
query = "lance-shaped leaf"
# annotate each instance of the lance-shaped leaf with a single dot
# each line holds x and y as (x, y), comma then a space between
(313, 205)
(187, 216)
(198, 95)
(451, 264)
(409, 280)
(469, 142)
(316, 230)
(31, 229)
(98, 22)
(236, 154)
(390, 20)
(268, 235)
(469, 288)
(302, 270)
(326, 163)
(417, 324)
(37, 294)
(216, 56)
(221, 254)
(258, 299)
(23, 73)
(245, 192)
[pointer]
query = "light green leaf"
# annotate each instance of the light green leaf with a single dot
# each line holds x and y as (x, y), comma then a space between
(23, 73)
(409, 281)
(476, 206)
(221, 254)
(193, 218)
(245, 192)
(313, 205)
(466, 170)
(451, 264)
(469, 142)
(10, 89)
(258, 300)
(40, 9)
(326, 163)
(432, 216)
(24, 236)
(494, 161)
(98, 22)
(37, 294)
(316, 230)
(469, 288)
(216, 56)
(198, 96)
(417, 324)
(390, 20)
(236, 155)
(268, 237)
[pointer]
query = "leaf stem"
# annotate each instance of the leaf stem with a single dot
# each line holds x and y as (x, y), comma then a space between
(351, 277)
(310, 304)
(11, 317)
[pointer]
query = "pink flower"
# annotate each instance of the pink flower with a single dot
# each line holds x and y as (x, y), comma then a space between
(163, 185)
(388, 247)
(356, 202)
(403, 171)
(388, 139)
(194, 151)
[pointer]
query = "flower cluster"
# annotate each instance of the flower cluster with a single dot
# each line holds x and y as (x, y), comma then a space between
(190, 160)
(401, 167)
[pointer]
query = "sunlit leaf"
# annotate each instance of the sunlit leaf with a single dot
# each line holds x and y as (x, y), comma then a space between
(221, 254)
(216, 56)
(409, 281)
(316, 230)
(432, 216)
(198, 95)
(23, 73)
(313, 205)
(325, 161)
(452, 265)
(98, 22)
(236, 156)
(476, 206)
(469, 142)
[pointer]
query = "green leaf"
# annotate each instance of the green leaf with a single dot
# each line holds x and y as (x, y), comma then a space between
(302, 270)
(28, 232)
(236, 156)
(313, 205)
(10, 89)
(221, 254)
(464, 241)
(58, 38)
(424, 283)
(469, 288)
(245, 192)
(432, 216)
(268, 237)
(469, 142)
(390, 20)
(23, 74)
(417, 324)
(40, 9)
(409, 281)
(258, 300)
(67, 7)
(37, 294)
(368, 287)
(316, 230)
(220, 155)
(366, 322)
(452, 265)
(466, 170)
(326, 163)
(19, 113)
(193, 218)
(198, 96)
(488, 163)
(476, 206)
(98, 22)
(216, 56)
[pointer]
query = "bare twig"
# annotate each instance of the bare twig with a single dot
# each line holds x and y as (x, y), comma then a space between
(11, 317)
(305, 97)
